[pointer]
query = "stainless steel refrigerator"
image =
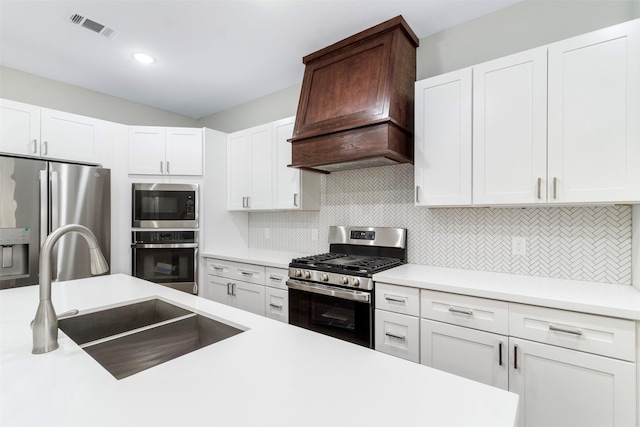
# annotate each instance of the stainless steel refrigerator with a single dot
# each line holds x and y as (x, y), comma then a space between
(36, 197)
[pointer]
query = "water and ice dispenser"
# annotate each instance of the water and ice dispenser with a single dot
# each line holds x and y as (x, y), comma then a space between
(14, 245)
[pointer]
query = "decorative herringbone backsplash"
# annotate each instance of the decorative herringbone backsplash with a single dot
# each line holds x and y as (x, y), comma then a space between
(581, 243)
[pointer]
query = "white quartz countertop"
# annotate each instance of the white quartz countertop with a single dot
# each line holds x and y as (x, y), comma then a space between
(597, 298)
(273, 374)
(277, 259)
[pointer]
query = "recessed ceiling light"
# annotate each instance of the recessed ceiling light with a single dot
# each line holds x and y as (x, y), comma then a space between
(143, 58)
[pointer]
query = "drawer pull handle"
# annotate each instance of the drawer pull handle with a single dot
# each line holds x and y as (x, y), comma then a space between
(217, 268)
(279, 307)
(500, 353)
(571, 331)
(461, 311)
(275, 278)
(246, 273)
(400, 300)
(398, 337)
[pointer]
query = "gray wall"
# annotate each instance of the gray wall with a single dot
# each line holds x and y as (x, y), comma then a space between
(519, 27)
(523, 26)
(31, 89)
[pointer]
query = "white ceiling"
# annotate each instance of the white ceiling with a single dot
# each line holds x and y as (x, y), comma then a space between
(211, 54)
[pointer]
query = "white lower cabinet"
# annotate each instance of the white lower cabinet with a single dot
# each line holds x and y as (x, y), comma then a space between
(398, 335)
(477, 355)
(222, 285)
(562, 387)
(569, 368)
(397, 327)
(277, 294)
(277, 304)
(242, 295)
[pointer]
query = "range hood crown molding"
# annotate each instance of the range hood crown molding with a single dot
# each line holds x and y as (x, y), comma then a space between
(356, 102)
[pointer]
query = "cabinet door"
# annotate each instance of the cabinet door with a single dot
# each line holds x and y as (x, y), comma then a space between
(286, 181)
(249, 297)
(477, 355)
(510, 129)
(217, 289)
(594, 105)
(560, 387)
(261, 167)
(443, 140)
(184, 151)
(19, 128)
(69, 136)
(238, 170)
(397, 334)
(277, 304)
(147, 150)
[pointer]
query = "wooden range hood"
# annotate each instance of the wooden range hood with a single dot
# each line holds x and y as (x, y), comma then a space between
(356, 102)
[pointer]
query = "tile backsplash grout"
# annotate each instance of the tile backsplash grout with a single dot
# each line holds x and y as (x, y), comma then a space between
(579, 243)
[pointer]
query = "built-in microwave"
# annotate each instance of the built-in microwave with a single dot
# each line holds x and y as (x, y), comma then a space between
(164, 205)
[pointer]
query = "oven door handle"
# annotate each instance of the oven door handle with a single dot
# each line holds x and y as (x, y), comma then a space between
(358, 296)
(163, 245)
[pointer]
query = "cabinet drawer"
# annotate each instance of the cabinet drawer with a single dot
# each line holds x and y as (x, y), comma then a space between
(398, 335)
(276, 277)
(250, 273)
(398, 299)
(216, 267)
(471, 312)
(277, 304)
(591, 333)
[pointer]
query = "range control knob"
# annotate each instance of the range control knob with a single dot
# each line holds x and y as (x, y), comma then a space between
(307, 275)
(324, 277)
(344, 281)
(298, 273)
(355, 282)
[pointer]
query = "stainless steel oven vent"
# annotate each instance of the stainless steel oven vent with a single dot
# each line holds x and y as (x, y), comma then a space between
(90, 24)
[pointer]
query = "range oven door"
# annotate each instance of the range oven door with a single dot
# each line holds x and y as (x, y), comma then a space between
(341, 313)
(172, 265)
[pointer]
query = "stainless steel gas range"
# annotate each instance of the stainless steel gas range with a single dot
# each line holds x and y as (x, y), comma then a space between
(333, 293)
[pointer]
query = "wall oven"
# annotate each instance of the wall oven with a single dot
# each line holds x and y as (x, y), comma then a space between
(169, 258)
(164, 205)
(333, 293)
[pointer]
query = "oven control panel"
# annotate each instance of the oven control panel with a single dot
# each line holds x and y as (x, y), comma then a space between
(165, 237)
(362, 235)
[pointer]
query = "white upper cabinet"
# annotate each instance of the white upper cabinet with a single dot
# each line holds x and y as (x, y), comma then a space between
(249, 168)
(443, 140)
(510, 129)
(165, 151)
(258, 174)
(292, 188)
(19, 128)
(594, 111)
(553, 125)
(33, 131)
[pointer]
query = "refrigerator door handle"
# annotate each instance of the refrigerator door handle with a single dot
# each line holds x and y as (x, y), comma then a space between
(55, 202)
(44, 205)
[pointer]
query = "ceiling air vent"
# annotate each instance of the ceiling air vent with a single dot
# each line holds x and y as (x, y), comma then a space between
(92, 25)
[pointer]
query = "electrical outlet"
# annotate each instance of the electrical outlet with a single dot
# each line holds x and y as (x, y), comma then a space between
(314, 234)
(267, 233)
(518, 245)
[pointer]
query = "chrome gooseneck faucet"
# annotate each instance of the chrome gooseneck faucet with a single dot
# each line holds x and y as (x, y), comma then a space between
(45, 325)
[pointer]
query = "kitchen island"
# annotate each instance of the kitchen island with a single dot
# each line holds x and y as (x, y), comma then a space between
(271, 374)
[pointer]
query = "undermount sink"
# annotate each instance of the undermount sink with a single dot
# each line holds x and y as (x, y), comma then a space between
(128, 339)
